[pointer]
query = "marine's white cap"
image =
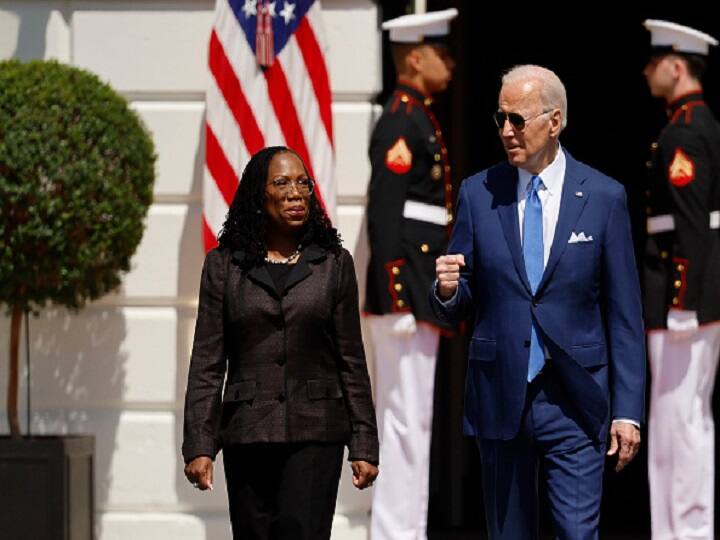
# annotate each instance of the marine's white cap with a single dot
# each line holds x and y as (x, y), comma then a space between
(417, 27)
(678, 38)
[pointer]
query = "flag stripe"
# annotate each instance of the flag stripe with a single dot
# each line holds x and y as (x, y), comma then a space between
(284, 107)
(214, 206)
(315, 64)
(219, 167)
(232, 92)
(209, 237)
(242, 60)
(305, 101)
(227, 131)
(249, 107)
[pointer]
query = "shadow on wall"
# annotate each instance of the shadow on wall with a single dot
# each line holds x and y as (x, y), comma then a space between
(77, 374)
(77, 365)
(32, 33)
(210, 508)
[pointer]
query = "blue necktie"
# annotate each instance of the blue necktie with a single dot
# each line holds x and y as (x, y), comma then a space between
(534, 265)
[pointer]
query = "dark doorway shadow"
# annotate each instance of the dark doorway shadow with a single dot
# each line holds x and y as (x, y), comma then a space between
(599, 52)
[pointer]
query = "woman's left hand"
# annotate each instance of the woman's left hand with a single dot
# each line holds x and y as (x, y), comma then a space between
(364, 474)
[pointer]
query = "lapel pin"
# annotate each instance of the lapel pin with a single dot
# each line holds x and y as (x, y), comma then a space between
(578, 193)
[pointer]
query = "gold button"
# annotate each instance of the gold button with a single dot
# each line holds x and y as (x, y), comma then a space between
(447, 168)
(398, 287)
(648, 210)
(438, 132)
(438, 157)
(400, 303)
(448, 206)
(648, 164)
(450, 217)
(654, 146)
(664, 254)
(678, 284)
(428, 102)
(680, 267)
(448, 187)
(395, 270)
(424, 248)
(436, 172)
(404, 99)
(443, 150)
(675, 301)
(684, 107)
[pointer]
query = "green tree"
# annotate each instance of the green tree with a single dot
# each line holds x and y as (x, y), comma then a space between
(76, 177)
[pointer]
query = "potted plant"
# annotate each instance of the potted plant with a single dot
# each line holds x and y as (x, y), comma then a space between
(76, 177)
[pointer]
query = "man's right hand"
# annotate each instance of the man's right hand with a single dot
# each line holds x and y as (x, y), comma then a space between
(447, 271)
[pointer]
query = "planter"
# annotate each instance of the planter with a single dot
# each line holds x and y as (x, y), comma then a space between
(47, 488)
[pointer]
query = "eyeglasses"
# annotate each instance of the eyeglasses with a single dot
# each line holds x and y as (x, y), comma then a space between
(517, 121)
(304, 186)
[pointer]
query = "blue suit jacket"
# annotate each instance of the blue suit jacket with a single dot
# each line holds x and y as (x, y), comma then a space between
(587, 305)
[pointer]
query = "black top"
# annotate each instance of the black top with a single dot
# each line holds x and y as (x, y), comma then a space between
(279, 274)
(682, 253)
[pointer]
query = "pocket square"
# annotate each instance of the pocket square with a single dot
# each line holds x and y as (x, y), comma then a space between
(579, 237)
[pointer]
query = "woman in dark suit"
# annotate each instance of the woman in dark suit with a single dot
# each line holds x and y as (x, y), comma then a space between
(278, 318)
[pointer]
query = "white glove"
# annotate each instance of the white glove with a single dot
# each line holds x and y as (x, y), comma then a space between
(405, 325)
(682, 323)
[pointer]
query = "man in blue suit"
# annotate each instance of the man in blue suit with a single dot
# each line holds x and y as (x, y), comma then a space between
(541, 255)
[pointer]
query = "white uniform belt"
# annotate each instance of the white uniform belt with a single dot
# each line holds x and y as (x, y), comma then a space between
(666, 222)
(425, 212)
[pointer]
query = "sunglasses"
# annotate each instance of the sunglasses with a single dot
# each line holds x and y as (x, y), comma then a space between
(517, 121)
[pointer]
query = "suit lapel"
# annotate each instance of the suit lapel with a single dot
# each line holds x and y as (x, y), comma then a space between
(301, 269)
(258, 274)
(508, 212)
(572, 202)
(261, 276)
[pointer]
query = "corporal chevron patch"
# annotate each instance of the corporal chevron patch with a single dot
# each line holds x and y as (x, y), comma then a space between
(682, 169)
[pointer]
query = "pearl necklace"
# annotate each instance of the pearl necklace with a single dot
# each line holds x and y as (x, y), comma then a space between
(286, 260)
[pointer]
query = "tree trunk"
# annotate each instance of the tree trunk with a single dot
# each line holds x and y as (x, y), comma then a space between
(12, 393)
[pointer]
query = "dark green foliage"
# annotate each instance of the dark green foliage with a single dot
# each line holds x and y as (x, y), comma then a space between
(76, 176)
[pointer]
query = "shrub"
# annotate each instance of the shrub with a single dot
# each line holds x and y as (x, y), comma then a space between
(76, 177)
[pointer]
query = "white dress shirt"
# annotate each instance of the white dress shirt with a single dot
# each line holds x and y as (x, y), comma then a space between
(553, 178)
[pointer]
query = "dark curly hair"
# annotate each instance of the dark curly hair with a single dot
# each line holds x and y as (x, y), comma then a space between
(245, 225)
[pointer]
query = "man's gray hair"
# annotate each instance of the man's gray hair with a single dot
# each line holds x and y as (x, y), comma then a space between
(552, 90)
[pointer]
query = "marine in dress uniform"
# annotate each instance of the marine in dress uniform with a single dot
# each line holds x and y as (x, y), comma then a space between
(682, 287)
(409, 217)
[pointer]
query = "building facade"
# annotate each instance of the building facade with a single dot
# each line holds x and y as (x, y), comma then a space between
(117, 369)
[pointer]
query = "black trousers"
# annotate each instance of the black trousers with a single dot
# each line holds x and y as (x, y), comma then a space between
(279, 491)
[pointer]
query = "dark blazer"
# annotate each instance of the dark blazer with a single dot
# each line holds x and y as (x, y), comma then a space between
(294, 362)
(587, 305)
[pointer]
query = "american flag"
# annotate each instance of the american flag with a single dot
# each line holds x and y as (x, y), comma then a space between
(269, 85)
